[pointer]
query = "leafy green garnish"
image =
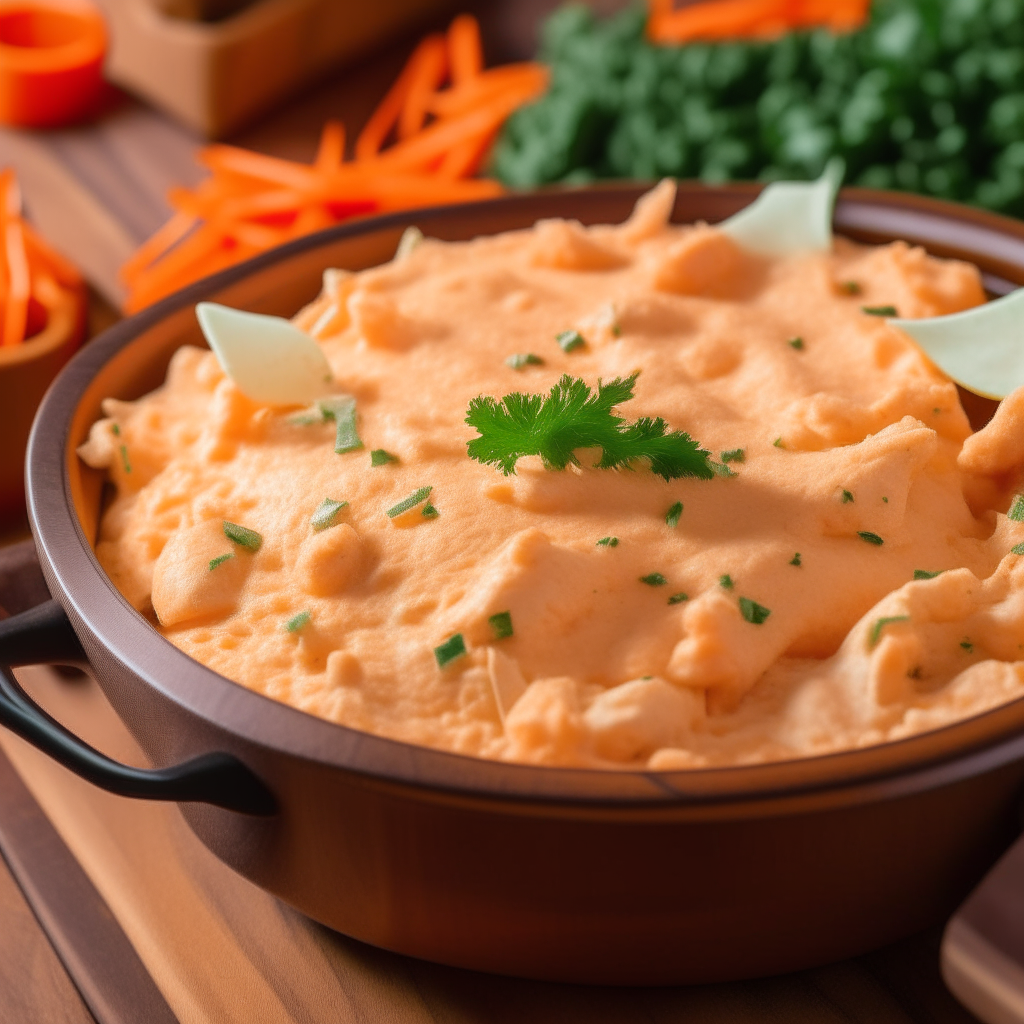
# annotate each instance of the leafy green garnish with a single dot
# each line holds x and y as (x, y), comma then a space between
(501, 625)
(967, 645)
(294, 624)
(454, 647)
(1016, 512)
(1017, 549)
(572, 417)
(124, 459)
(429, 512)
(924, 574)
(879, 310)
(243, 536)
(880, 624)
(379, 457)
(325, 513)
(220, 560)
(753, 612)
(721, 469)
(342, 409)
(608, 542)
(734, 455)
(115, 429)
(674, 514)
(654, 579)
(871, 538)
(725, 582)
(678, 598)
(851, 287)
(411, 502)
(521, 359)
(778, 443)
(797, 343)
(795, 560)
(570, 340)
(847, 497)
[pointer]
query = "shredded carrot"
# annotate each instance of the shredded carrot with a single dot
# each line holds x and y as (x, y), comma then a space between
(731, 19)
(421, 146)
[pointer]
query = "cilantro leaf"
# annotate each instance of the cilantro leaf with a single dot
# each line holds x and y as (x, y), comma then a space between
(572, 416)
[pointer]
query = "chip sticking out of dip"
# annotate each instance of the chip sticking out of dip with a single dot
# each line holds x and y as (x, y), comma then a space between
(642, 495)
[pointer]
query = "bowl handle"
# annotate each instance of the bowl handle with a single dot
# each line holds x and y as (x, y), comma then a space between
(43, 634)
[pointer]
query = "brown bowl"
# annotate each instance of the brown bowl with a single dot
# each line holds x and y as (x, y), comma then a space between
(623, 877)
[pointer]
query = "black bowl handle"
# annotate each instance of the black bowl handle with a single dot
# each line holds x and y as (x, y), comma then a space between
(43, 634)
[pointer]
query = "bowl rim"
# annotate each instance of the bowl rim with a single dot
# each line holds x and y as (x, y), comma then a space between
(958, 750)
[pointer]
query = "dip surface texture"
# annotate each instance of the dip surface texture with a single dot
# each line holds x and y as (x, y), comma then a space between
(846, 578)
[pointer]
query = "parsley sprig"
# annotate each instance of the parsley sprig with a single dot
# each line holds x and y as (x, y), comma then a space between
(572, 416)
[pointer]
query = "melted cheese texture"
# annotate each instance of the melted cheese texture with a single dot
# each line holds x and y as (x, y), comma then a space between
(849, 439)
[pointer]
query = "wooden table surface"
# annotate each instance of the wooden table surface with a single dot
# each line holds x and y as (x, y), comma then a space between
(899, 985)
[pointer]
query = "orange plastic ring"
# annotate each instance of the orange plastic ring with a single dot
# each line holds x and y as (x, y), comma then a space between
(51, 61)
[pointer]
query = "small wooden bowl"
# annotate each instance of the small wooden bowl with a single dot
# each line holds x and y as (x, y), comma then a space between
(25, 373)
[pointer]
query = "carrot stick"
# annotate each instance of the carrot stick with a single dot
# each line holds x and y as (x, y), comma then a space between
(20, 286)
(528, 77)
(171, 232)
(464, 48)
(41, 254)
(717, 19)
(173, 269)
(331, 151)
(256, 165)
(424, 79)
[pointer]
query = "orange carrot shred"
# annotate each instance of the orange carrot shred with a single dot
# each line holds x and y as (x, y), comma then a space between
(331, 151)
(424, 78)
(465, 49)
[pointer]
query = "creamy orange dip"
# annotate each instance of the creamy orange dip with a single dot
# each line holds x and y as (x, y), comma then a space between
(853, 469)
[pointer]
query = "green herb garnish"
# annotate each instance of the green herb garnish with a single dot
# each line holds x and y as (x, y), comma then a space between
(871, 538)
(429, 512)
(243, 536)
(654, 579)
(115, 430)
(124, 459)
(721, 469)
(795, 560)
(967, 645)
(342, 409)
(847, 497)
(454, 647)
(220, 560)
(294, 624)
(725, 582)
(1017, 549)
(678, 598)
(753, 612)
(608, 542)
(568, 341)
(886, 500)
(734, 455)
(851, 287)
(797, 343)
(379, 457)
(925, 574)
(879, 310)
(778, 443)
(572, 417)
(880, 624)
(1016, 512)
(521, 359)
(501, 625)
(411, 502)
(674, 514)
(325, 513)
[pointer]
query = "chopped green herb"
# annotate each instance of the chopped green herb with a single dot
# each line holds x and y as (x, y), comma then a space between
(307, 418)
(886, 500)
(847, 497)
(795, 560)
(115, 430)
(797, 343)
(734, 455)
(411, 502)
(674, 514)
(967, 645)
(1016, 512)
(871, 538)
(571, 417)
(521, 359)
(616, 330)
(569, 341)
(725, 582)
(325, 513)
(429, 512)
(721, 469)
(454, 647)
(654, 579)
(294, 624)
(342, 409)
(880, 624)
(753, 612)
(879, 310)
(608, 542)
(678, 598)
(379, 457)
(242, 536)
(778, 443)
(1017, 549)
(220, 560)
(925, 574)
(851, 287)
(124, 459)
(501, 625)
